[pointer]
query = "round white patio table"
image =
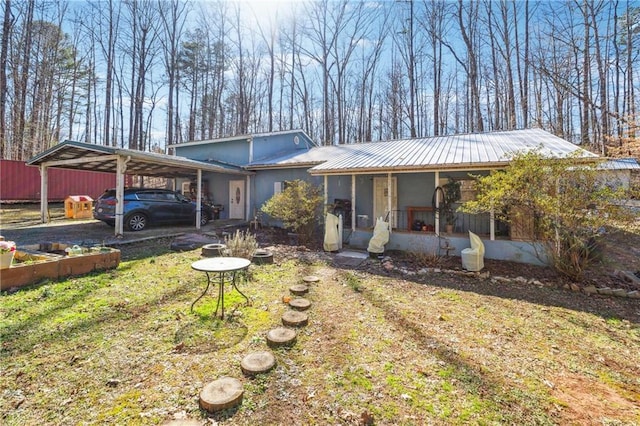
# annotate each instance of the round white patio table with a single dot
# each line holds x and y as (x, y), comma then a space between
(221, 266)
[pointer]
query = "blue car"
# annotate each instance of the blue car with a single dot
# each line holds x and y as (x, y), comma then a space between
(148, 206)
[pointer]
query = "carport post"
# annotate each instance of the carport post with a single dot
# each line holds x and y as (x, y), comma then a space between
(199, 199)
(121, 169)
(44, 196)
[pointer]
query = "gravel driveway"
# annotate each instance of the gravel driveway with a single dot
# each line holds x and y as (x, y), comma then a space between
(92, 232)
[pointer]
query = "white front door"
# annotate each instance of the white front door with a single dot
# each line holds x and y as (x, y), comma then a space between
(381, 199)
(236, 199)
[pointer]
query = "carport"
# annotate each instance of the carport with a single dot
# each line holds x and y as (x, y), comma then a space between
(99, 158)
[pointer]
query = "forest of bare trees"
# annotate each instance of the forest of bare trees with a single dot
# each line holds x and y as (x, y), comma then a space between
(146, 74)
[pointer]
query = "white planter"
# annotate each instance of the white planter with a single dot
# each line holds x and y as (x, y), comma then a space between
(6, 259)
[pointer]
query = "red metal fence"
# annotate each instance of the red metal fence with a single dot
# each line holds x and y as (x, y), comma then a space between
(21, 183)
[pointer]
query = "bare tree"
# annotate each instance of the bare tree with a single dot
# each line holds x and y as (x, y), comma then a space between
(434, 26)
(466, 15)
(4, 48)
(173, 15)
(406, 42)
(268, 37)
(21, 71)
(322, 28)
(522, 61)
(371, 62)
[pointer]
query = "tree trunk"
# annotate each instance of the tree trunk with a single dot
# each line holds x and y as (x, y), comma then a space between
(6, 32)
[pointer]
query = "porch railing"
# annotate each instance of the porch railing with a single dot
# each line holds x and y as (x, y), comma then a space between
(417, 220)
(520, 227)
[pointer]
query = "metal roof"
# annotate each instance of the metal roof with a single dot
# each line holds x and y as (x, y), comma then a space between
(308, 158)
(620, 164)
(466, 151)
(99, 158)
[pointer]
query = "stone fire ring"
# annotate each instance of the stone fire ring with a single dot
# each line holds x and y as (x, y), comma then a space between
(226, 392)
(257, 363)
(213, 250)
(262, 257)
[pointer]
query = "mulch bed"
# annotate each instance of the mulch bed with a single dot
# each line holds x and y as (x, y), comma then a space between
(600, 274)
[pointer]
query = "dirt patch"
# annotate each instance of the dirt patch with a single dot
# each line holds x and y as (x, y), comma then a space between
(585, 401)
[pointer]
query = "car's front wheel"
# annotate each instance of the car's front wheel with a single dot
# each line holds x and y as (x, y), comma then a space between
(136, 222)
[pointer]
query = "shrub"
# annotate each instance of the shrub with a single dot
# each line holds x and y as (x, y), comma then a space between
(297, 207)
(241, 244)
(568, 198)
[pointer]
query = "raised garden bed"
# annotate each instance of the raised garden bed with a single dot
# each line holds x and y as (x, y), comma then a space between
(31, 266)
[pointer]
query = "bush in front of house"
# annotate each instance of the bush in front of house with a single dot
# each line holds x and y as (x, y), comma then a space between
(297, 207)
(569, 201)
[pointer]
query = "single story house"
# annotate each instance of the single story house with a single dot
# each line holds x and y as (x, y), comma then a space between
(395, 180)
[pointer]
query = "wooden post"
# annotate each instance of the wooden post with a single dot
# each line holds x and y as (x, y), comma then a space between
(121, 169)
(44, 196)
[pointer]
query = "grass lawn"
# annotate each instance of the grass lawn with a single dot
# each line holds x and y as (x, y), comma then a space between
(121, 347)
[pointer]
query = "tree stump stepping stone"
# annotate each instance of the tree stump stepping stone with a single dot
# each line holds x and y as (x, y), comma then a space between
(257, 362)
(281, 336)
(300, 304)
(299, 289)
(310, 279)
(295, 319)
(226, 392)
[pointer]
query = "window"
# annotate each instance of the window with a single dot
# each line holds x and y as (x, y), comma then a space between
(278, 187)
(186, 190)
(468, 190)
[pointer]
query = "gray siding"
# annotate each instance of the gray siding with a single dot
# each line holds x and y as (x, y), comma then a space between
(231, 152)
(262, 185)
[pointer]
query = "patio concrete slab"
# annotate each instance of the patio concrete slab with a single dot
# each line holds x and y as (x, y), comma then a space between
(350, 257)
